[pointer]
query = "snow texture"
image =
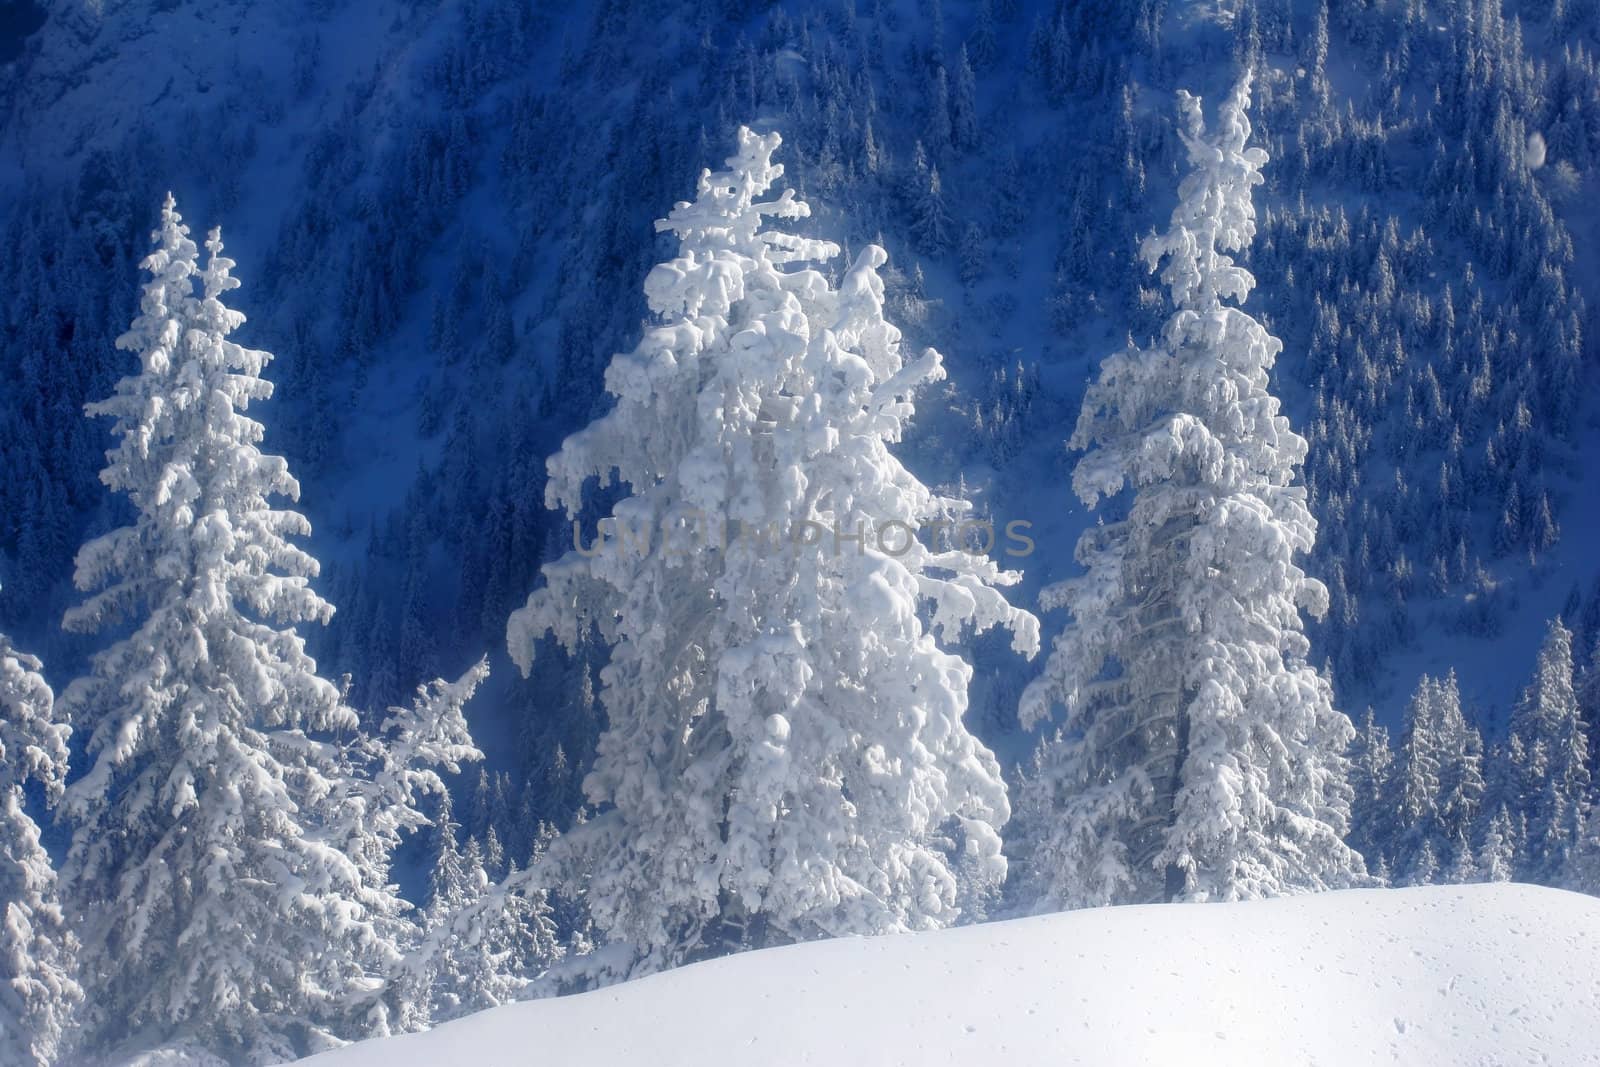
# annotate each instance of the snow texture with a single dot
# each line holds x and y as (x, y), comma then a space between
(1473, 976)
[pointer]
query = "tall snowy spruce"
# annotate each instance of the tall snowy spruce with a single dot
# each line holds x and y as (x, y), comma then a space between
(1550, 762)
(214, 915)
(37, 990)
(1438, 787)
(1372, 823)
(1201, 757)
(785, 756)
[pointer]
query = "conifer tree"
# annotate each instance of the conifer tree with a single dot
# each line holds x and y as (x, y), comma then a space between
(481, 943)
(1553, 763)
(494, 854)
(447, 881)
(197, 817)
(1439, 786)
(1417, 782)
(1371, 768)
(389, 776)
(1497, 855)
(785, 747)
(931, 224)
(937, 133)
(1201, 757)
(1463, 865)
(1425, 870)
(964, 105)
(1461, 767)
(486, 949)
(38, 993)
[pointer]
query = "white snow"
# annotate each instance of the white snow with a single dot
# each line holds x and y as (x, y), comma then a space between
(1460, 975)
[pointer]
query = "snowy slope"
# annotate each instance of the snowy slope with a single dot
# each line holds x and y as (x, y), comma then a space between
(1482, 974)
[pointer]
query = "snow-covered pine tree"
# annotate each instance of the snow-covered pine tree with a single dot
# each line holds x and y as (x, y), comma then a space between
(1425, 869)
(930, 222)
(1460, 765)
(37, 991)
(1583, 868)
(1371, 767)
(494, 854)
(389, 776)
(483, 942)
(1554, 767)
(1416, 785)
(1201, 756)
(1439, 786)
(785, 744)
(1503, 793)
(1587, 685)
(197, 816)
(475, 820)
(1497, 854)
(448, 880)
(1463, 864)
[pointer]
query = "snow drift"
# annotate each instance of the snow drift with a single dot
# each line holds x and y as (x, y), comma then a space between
(1478, 974)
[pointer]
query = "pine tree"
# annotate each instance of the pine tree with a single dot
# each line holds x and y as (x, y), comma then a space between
(1588, 693)
(485, 950)
(1553, 766)
(964, 105)
(494, 854)
(388, 777)
(1463, 865)
(1371, 768)
(1417, 783)
(1497, 855)
(931, 224)
(198, 810)
(785, 746)
(477, 821)
(974, 254)
(447, 882)
(1461, 765)
(1425, 871)
(1201, 756)
(1439, 788)
(984, 45)
(481, 943)
(937, 133)
(37, 991)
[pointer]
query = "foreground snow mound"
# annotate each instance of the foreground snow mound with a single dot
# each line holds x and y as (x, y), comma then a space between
(1481, 974)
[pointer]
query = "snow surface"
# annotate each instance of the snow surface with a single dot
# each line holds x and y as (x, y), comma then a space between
(1459, 975)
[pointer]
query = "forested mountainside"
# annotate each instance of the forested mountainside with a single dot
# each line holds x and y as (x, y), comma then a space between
(444, 214)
